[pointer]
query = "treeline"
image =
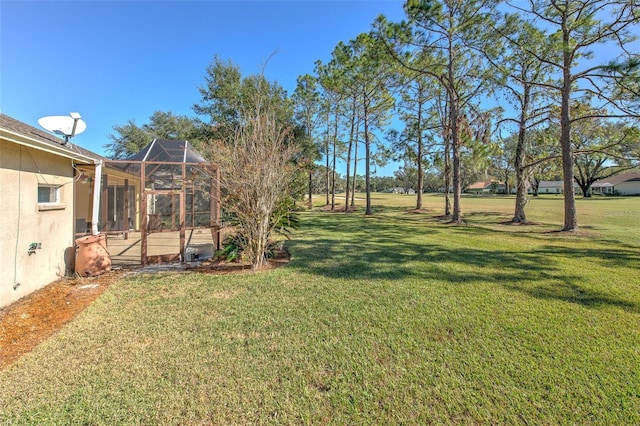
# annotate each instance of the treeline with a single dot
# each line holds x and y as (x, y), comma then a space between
(458, 90)
(400, 182)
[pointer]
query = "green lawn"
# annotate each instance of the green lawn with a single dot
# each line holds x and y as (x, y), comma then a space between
(399, 318)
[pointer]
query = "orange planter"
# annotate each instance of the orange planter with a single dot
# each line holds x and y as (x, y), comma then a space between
(93, 258)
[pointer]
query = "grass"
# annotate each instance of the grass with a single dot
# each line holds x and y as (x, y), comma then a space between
(392, 319)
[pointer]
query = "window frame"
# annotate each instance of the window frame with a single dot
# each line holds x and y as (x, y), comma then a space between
(54, 198)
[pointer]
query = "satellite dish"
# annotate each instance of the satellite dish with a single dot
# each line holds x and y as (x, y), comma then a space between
(64, 125)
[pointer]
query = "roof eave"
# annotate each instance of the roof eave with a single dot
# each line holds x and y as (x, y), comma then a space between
(46, 147)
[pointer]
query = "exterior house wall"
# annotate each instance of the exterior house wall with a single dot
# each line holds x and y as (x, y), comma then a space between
(25, 221)
(550, 190)
(555, 187)
(477, 191)
(628, 188)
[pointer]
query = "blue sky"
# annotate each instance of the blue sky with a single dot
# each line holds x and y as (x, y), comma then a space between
(112, 61)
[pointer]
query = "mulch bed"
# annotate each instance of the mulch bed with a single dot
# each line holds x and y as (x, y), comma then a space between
(34, 318)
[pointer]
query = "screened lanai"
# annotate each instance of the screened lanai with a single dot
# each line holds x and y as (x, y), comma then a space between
(163, 202)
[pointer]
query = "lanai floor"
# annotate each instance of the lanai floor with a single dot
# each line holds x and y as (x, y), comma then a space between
(127, 252)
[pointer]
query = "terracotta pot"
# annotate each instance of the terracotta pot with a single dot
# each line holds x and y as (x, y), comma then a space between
(93, 258)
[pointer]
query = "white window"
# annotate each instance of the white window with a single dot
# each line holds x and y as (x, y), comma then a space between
(49, 197)
(48, 194)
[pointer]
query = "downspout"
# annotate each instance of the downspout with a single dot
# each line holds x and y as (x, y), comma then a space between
(97, 183)
(74, 202)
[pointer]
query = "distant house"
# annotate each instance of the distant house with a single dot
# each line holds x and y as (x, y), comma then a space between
(481, 187)
(550, 187)
(602, 187)
(490, 186)
(555, 187)
(400, 190)
(622, 184)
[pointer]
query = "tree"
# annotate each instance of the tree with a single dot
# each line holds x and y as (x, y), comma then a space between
(575, 27)
(448, 38)
(342, 92)
(307, 111)
(130, 138)
(361, 63)
(329, 78)
(406, 176)
(256, 145)
(602, 149)
(502, 162)
(522, 70)
(626, 75)
(543, 156)
(444, 160)
(257, 175)
(416, 94)
(227, 93)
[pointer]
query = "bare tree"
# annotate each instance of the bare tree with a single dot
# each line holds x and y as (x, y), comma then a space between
(257, 178)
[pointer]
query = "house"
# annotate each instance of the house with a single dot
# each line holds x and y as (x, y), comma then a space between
(54, 192)
(490, 186)
(555, 187)
(401, 190)
(550, 187)
(602, 187)
(39, 177)
(622, 184)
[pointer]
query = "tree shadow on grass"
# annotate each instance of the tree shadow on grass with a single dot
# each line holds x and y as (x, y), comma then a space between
(570, 292)
(386, 249)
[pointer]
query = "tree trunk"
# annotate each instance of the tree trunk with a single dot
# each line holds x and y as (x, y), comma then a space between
(522, 178)
(585, 186)
(367, 151)
(351, 136)
(333, 166)
(327, 155)
(310, 206)
(420, 171)
(348, 178)
(260, 243)
(570, 215)
(447, 177)
(522, 185)
(456, 217)
(355, 171)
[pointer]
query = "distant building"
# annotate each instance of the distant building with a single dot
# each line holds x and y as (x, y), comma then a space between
(491, 186)
(622, 184)
(550, 187)
(555, 187)
(482, 187)
(399, 190)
